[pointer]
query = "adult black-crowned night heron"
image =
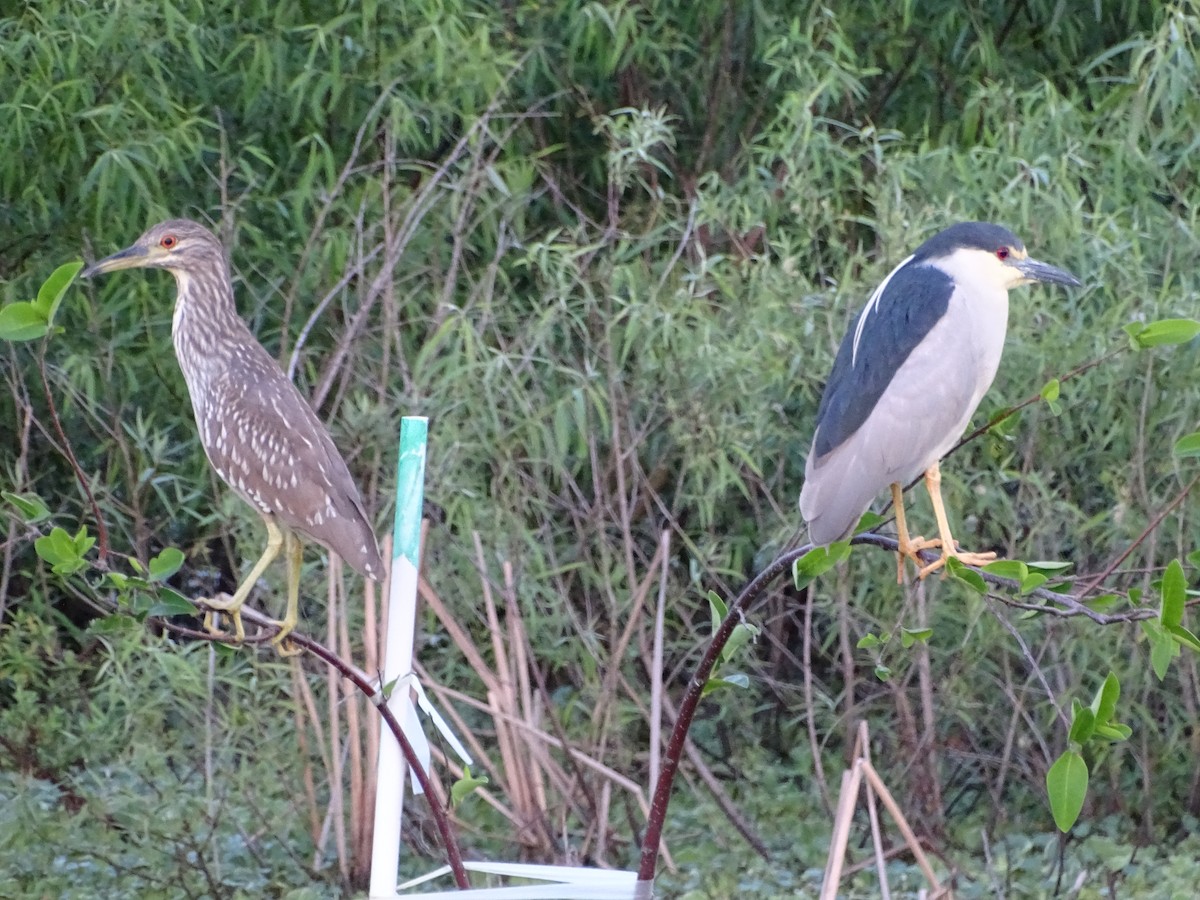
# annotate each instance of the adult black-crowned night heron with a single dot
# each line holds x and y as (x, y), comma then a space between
(260, 434)
(907, 379)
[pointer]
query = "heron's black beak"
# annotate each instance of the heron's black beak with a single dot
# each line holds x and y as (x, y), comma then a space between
(135, 257)
(1036, 270)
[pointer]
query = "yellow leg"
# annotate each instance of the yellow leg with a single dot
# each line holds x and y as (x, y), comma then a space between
(933, 483)
(907, 547)
(232, 606)
(293, 552)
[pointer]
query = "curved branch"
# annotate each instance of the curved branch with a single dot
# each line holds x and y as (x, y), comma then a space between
(1068, 605)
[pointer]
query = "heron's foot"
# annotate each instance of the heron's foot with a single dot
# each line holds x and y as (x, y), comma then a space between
(280, 642)
(223, 604)
(911, 548)
(964, 557)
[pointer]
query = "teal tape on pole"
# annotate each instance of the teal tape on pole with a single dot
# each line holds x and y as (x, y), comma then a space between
(410, 488)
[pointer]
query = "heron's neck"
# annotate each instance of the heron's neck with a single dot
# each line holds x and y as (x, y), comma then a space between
(205, 328)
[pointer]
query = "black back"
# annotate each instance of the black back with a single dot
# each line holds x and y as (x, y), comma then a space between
(915, 298)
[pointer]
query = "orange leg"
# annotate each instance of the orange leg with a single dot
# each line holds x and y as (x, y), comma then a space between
(907, 547)
(933, 483)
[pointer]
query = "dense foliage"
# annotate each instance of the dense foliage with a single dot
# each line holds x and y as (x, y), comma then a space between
(609, 249)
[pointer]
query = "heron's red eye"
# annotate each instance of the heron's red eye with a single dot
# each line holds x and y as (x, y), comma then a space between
(168, 241)
(1002, 254)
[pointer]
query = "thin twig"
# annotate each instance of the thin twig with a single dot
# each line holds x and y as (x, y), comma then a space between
(101, 527)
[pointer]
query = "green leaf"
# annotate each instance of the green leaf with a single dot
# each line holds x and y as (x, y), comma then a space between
(123, 582)
(1166, 331)
(465, 786)
(82, 542)
(1082, 725)
(1032, 582)
(1193, 558)
(1183, 636)
(140, 603)
(1050, 393)
(30, 506)
(54, 288)
(1066, 786)
(171, 603)
(910, 636)
(1012, 569)
(817, 562)
(1049, 566)
(1187, 447)
(741, 635)
(716, 609)
(737, 679)
(63, 552)
(22, 321)
(883, 673)
(1113, 732)
(868, 522)
(1163, 647)
(1103, 603)
(867, 641)
(166, 564)
(1174, 595)
(966, 575)
(1104, 704)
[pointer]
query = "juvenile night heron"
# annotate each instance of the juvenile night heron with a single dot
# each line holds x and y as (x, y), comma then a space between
(907, 379)
(259, 433)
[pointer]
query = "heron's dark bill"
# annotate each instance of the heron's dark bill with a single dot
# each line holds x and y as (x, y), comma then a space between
(1036, 270)
(134, 257)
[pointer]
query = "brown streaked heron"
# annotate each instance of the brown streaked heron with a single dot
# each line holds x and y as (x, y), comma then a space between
(261, 436)
(908, 377)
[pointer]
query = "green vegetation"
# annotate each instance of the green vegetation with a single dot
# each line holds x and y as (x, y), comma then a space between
(609, 249)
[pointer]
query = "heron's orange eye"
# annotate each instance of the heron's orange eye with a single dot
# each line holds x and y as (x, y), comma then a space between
(168, 242)
(1002, 254)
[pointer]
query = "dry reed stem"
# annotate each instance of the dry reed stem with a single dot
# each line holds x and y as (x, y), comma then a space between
(633, 619)
(852, 778)
(458, 635)
(337, 800)
(309, 704)
(521, 655)
(372, 623)
(306, 772)
(360, 852)
(656, 662)
(863, 743)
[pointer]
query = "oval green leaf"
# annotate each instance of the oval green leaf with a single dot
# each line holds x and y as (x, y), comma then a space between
(1066, 786)
(1083, 726)
(1188, 446)
(1174, 595)
(166, 564)
(1167, 331)
(22, 322)
(54, 288)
